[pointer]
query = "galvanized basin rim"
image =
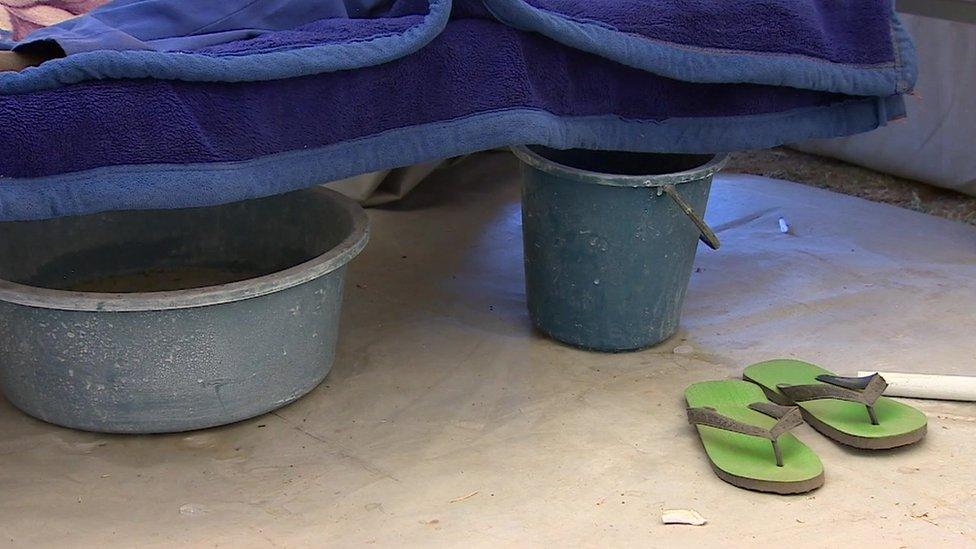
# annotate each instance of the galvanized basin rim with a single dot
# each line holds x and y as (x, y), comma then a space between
(319, 266)
(546, 165)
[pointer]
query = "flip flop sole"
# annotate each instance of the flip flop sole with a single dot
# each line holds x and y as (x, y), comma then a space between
(770, 486)
(865, 443)
(747, 461)
(796, 372)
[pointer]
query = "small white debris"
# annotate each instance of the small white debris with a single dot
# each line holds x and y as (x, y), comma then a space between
(784, 227)
(682, 516)
(683, 350)
(192, 509)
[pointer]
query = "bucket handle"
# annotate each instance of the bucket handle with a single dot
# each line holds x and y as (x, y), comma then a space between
(707, 235)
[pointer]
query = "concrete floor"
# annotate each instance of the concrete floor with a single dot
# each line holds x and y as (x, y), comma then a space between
(447, 421)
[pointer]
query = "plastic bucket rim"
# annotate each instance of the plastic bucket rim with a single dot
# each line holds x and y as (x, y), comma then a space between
(541, 163)
(317, 267)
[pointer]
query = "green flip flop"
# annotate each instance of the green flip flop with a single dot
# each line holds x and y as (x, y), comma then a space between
(745, 437)
(849, 410)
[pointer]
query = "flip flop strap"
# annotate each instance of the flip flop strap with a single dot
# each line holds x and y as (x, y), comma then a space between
(788, 417)
(864, 390)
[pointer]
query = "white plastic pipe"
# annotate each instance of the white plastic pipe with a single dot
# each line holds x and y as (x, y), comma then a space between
(939, 387)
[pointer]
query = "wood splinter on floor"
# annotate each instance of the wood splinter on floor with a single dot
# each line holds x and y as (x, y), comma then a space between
(462, 498)
(682, 516)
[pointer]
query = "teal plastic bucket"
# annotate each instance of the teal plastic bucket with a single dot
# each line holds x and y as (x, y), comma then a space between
(610, 241)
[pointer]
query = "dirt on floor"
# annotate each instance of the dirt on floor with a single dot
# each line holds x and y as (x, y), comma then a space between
(839, 176)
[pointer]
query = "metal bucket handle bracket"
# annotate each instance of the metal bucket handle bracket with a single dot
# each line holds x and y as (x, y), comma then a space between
(707, 235)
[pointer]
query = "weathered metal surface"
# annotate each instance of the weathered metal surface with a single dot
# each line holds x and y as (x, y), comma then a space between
(142, 361)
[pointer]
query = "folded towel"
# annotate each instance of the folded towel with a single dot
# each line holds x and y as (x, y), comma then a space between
(562, 73)
(855, 47)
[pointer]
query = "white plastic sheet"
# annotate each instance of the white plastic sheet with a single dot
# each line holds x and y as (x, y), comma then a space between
(936, 143)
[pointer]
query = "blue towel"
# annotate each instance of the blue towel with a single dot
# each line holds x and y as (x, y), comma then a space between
(165, 120)
(172, 25)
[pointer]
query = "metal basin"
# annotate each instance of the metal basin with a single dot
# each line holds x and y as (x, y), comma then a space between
(171, 320)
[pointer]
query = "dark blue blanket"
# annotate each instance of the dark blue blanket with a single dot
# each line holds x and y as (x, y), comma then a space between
(147, 123)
